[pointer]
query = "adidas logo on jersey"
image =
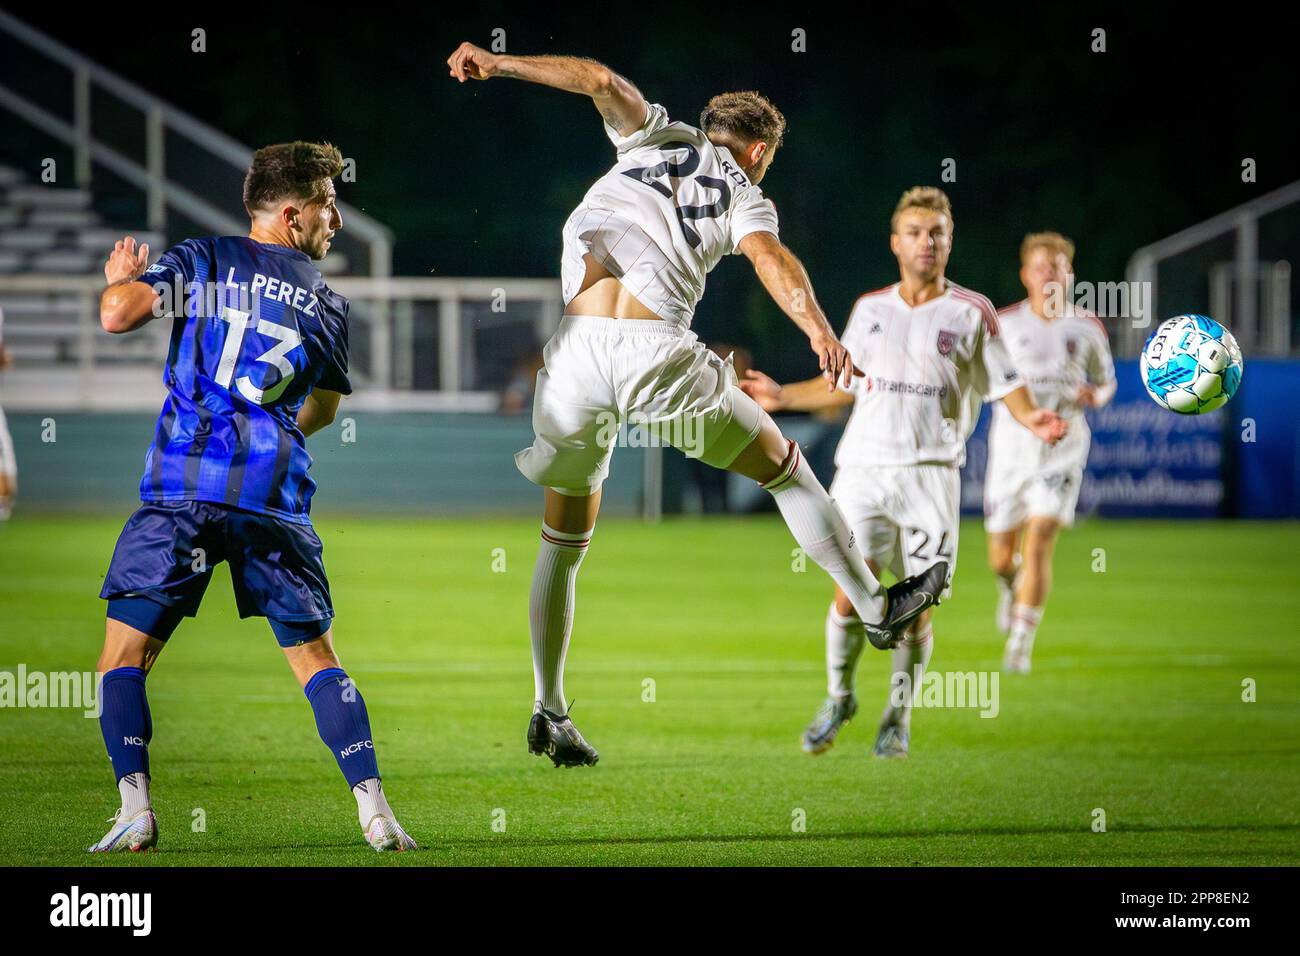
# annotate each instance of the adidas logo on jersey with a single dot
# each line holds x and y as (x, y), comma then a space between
(874, 329)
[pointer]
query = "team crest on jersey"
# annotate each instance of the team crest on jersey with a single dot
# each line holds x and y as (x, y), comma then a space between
(946, 341)
(1071, 346)
(875, 329)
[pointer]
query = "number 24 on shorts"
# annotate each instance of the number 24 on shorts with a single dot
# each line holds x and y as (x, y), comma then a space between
(942, 548)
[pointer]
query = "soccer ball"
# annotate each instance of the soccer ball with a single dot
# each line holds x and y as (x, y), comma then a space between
(1191, 365)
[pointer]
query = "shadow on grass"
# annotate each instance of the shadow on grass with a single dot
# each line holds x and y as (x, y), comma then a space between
(868, 835)
(503, 842)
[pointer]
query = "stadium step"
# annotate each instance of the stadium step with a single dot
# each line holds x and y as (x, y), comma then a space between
(49, 197)
(101, 239)
(63, 218)
(63, 261)
(29, 239)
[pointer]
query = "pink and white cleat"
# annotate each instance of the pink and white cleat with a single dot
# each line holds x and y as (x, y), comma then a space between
(385, 833)
(139, 832)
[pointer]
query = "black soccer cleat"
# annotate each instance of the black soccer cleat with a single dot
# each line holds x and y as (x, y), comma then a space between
(907, 599)
(556, 737)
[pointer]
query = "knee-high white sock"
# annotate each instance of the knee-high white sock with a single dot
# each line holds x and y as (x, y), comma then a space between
(824, 535)
(550, 611)
(134, 788)
(1024, 625)
(911, 657)
(1006, 596)
(371, 801)
(845, 636)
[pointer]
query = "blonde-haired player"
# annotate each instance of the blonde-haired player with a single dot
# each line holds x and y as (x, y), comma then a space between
(1030, 489)
(931, 352)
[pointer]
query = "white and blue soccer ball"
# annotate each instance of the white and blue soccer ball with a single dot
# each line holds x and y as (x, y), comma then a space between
(1191, 364)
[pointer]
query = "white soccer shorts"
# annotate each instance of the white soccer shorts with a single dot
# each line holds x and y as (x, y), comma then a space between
(601, 374)
(905, 517)
(1013, 497)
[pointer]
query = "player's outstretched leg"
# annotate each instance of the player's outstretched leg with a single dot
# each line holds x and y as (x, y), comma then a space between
(824, 535)
(567, 525)
(845, 638)
(125, 721)
(910, 658)
(344, 726)
(1004, 559)
(1031, 593)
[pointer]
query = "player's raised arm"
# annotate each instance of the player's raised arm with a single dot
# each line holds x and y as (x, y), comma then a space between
(126, 304)
(787, 282)
(620, 103)
(1043, 422)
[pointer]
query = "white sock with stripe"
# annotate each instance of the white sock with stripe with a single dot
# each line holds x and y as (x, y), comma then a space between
(845, 636)
(1006, 596)
(911, 653)
(824, 535)
(550, 611)
(134, 788)
(1024, 626)
(371, 801)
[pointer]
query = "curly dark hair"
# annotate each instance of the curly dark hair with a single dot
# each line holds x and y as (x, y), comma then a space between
(746, 117)
(298, 170)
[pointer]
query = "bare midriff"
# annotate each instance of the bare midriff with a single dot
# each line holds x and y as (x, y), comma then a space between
(602, 294)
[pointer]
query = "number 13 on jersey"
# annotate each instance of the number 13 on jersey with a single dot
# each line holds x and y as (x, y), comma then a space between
(289, 340)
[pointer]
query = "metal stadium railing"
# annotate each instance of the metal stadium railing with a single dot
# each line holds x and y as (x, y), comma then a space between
(1236, 264)
(73, 126)
(439, 344)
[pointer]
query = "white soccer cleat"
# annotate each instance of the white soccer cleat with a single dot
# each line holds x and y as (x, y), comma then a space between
(1015, 659)
(139, 832)
(386, 834)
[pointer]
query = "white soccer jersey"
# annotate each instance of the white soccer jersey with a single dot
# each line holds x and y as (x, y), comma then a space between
(927, 370)
(1055, 357)
(673, 205)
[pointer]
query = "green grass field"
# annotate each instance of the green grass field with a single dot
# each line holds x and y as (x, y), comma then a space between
(1135, 707)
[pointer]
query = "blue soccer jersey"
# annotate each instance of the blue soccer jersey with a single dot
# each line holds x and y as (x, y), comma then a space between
(255, 329)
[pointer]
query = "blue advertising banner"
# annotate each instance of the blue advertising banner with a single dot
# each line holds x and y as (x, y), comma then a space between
(1264, 438)
(1145, 461)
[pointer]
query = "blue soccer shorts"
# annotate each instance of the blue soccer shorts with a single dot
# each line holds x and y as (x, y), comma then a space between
(167, 552)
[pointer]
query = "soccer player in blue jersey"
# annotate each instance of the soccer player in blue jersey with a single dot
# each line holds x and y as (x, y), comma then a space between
(258, 361)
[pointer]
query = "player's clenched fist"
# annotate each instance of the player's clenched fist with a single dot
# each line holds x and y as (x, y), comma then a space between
(126, 262)
(470, 62)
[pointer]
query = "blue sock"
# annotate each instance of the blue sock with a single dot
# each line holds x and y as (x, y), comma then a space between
(343, 723)
(125, 721)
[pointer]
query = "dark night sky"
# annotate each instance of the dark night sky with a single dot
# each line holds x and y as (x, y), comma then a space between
(1114, 149)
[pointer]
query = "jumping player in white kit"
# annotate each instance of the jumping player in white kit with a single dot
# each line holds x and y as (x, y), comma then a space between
(636, 253)
(931, 352)
(1030, 489)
